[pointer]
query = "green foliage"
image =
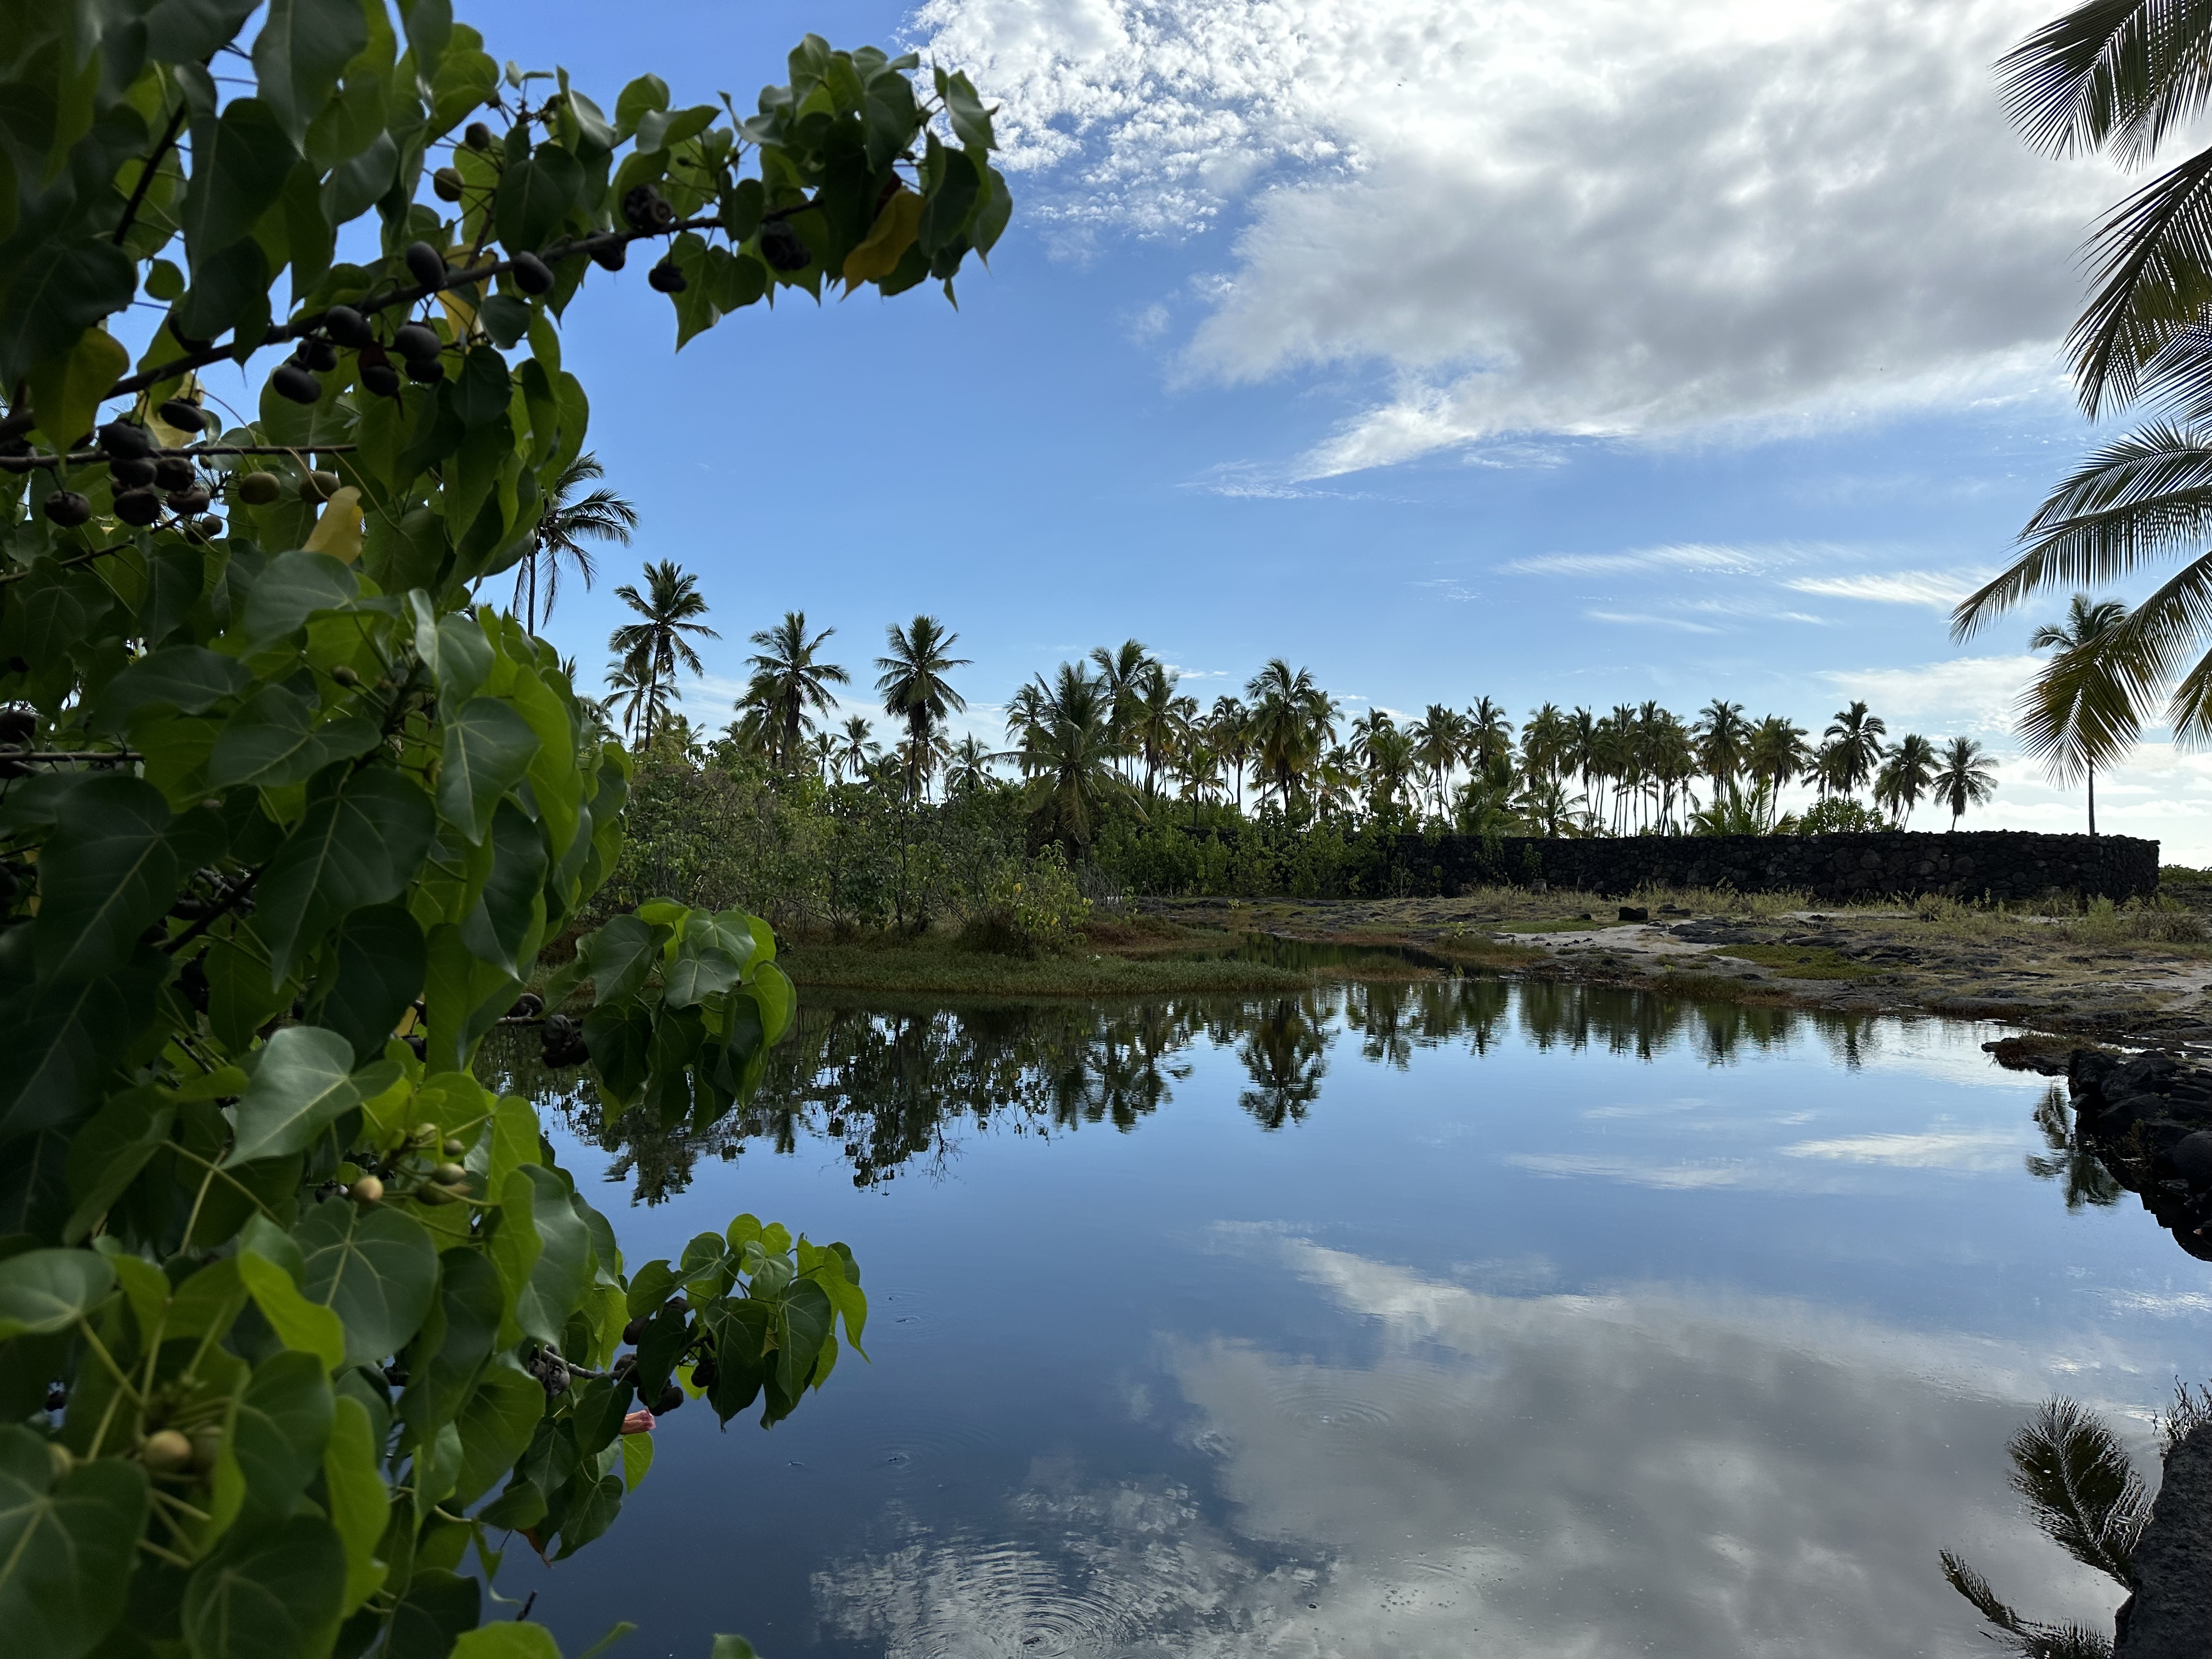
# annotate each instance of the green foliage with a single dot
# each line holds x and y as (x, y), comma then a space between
(317, 1311)
(1835, 815)
(1033, 910)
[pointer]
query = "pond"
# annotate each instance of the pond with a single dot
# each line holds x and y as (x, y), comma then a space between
(1443, 1318)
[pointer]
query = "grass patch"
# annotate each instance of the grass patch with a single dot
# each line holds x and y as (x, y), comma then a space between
(940, 968)
(1802, 961)
(1560, 924)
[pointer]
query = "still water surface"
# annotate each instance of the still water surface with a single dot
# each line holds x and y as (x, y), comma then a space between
(1450, 1319)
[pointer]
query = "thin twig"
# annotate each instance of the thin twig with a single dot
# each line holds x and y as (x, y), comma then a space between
(96, 457)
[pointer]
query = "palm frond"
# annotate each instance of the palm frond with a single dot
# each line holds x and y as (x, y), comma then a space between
(2028, 1638)
(2153, 268)
(2079, 1485)
(2117, 74)
(2138, 498)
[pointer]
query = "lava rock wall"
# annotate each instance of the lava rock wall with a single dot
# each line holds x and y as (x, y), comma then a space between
(1997, 864)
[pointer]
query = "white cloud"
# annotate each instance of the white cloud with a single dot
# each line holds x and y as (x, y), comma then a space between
(1595, 217)
(1940, 588)
(1637, 619)
(1966, 694)
(1978, 1150)
(1636, 1172)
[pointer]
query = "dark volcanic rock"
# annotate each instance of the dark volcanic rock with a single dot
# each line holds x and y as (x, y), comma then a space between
(2148, 1116)
(2170, 1614)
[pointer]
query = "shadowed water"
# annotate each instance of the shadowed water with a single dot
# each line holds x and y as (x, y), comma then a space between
(1453, 1317)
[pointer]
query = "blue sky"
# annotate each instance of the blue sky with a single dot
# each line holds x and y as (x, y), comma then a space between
(1583, 351)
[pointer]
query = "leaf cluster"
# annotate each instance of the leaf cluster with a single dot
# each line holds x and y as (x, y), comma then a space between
(293, 1312)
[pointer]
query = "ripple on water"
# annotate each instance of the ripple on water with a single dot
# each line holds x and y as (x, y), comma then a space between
(1329, 1402)
(929, 1448)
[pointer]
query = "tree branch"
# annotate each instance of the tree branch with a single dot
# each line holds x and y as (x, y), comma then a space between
(153, 166)
(94, 457)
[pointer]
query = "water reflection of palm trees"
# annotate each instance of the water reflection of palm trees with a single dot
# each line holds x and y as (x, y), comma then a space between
(889, 1086)
(2071, 1161)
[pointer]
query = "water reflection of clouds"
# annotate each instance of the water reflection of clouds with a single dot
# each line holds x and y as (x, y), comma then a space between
(1649, 1470)
(1979, 1151)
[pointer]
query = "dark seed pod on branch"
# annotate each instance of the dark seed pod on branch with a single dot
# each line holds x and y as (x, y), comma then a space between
(319, 486)
(425, 264)
(183, 414)
(532, 274)
(349, 327)
(702, 1374)
(292, 381)
(426, 374)
(645, 209)
(171, 472)
(318, 356)
(204, 529)
(780, 247)
(671, 1397)
(66, 509)
(191, 500)
(120, 440)
(417, 343)
(478, 136)
(446, 185)
(380, 378)
(16, 425)
(666, 278)
(258, 489)
(133, 474)
(138, 507)
(611, 256)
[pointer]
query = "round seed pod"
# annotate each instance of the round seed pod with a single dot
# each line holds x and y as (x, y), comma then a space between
(452, 1148)
(380, 380)
(131, 475)
(428, 373)
(258, 489)
(16, 425)
(476, 136)
(193, 499)
(183, 414)
(417, 343)
(451, 1175)
(207, 528)
(780, 247)
(294, 382)
(423, 1135)
(612, 257)
(119, 439)
(345, 676)
(367, 1190)
(66, 509)
(644, 208)
(138, 507)
(349, 327)
(165, 1452)
(446, 185)
(320, 486)
(425, 264)
(703, 1374)
(633, 1331)
(319, 355)
(672, 1397)
(666, 278)
(435, 1195)
(171, 472)
(532, 273)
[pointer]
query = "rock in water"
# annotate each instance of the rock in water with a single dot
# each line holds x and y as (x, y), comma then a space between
(2170, 1614)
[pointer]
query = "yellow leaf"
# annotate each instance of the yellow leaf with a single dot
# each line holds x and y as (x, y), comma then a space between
(461, 303)
(167, 436)
(337, 532)
(888, 239)
(66, 390)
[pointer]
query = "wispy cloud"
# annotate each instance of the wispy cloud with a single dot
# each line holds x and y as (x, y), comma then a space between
(1639, 619)
(1719, 1172)
(1681, 556)
(1448, 587)
(1975, 694)
(1978, 1150)
(1940, 588)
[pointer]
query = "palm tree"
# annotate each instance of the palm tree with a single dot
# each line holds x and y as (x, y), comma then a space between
(2127, 78)
(1229, 729)
(858, 748)
(657, 646)
(2076, 715)
(789, 686)
(968, 767)
(821, 748)
(1963, 780)
(1157, 717)
(1905, 776)
(1723, 740)
(1072, 779)
(626, 692)
(1293, 725)
(1854, 748)
(1121, 674)
(1488, 732)
(1777, 753)
(1439, 739)
(563, 526)
(914, 688)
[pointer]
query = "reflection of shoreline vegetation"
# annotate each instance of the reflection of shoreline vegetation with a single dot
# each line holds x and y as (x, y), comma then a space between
(887, 1083)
